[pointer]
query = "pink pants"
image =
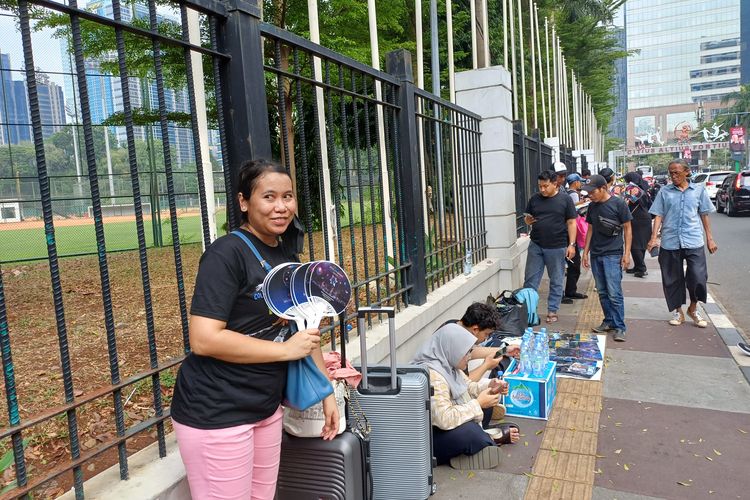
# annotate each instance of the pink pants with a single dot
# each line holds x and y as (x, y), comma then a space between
(239, 462)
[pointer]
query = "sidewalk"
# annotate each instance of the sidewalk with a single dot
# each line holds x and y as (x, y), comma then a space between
(670, 418)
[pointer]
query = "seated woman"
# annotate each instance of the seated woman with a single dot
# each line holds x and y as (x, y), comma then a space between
(458, 403)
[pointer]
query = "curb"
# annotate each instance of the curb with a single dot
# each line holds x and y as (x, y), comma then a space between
(728, 332)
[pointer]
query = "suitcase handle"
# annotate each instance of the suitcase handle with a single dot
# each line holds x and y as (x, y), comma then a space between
(361, 314)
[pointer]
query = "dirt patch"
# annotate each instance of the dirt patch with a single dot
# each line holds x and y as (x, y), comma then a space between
(35, 344)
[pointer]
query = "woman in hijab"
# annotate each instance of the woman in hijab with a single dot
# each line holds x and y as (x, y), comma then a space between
(457, 403)
(638, 200)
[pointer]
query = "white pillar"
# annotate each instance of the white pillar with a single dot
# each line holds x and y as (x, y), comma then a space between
(200, 110)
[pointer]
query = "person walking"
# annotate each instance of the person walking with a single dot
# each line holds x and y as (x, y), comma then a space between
(681, 212)
(608, 243)
(574, 265)
(639, 202)
(552, 215)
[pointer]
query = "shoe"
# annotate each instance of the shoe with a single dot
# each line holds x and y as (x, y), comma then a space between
(744, 348)
(603, 328)
(567, 300)
(486, 458)
(641, 274)
(677, 317)
(576, 295)
(619, 335)
(697, 318)
(630, 271)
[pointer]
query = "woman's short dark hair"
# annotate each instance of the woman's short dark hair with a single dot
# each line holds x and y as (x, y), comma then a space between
(607, 173)
(251, 171)
(547, 175)
(482, 315)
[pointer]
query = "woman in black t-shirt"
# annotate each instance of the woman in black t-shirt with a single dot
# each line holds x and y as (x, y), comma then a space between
(226, 407)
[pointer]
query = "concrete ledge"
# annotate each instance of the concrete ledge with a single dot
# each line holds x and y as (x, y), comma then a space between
(151, 477)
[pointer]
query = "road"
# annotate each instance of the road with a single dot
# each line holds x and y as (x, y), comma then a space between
(729, 268)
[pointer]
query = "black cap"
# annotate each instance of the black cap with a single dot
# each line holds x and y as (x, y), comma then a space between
(595, 182)
(607, 173)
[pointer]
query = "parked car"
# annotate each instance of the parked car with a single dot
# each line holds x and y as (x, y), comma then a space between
(734, 193)
(711, 181)
(661, 179)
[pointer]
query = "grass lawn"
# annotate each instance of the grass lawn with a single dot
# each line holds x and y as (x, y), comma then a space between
(25, 244)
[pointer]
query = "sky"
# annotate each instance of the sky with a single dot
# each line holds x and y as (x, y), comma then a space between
(46, 49)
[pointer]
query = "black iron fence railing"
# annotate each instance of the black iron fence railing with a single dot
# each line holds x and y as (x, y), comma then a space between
(388, 177)
(454, 201)
(530, 156)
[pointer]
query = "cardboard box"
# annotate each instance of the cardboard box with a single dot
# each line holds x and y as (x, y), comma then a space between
(530, 396)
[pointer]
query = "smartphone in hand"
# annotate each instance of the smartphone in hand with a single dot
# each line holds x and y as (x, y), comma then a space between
(654, 251)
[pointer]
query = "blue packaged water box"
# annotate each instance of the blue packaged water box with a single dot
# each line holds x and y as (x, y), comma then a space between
(530, 396)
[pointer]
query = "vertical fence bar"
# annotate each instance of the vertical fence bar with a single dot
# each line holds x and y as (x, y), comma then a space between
(164, 127)
(109, 322)
(398, 63)
(371, 189)
(233, 216)
(303, 154)
(140, 230)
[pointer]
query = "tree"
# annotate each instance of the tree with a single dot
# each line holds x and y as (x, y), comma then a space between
(740, 104)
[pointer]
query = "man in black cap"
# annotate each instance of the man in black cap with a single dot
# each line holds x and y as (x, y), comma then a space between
(608, 241)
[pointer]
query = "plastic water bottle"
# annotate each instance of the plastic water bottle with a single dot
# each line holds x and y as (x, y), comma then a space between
(526, 345)
(538, 356)
(545, 350)
(467, 262)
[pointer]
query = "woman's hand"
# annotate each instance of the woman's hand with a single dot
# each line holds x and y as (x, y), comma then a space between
(302, 343)
(498, 386)
(513, 351)
(331, 412)
(487, 399)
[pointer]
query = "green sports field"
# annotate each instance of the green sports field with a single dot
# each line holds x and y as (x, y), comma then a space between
(27, 244)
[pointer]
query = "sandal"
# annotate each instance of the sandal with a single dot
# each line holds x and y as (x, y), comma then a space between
(505, 435)
(552, 317)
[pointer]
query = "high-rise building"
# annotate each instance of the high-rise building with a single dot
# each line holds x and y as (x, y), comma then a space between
(14, 105)
(686, 58)
(618, 125)
(51, 104)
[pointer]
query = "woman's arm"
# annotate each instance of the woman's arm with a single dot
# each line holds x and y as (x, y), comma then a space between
(330, 407)
(210, 337)
(446, 414)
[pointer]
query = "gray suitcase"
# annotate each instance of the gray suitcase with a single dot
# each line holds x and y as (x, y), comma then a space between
(396, 402)
(314, 469)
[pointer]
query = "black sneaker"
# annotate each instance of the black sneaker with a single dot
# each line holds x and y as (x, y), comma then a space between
(603, 328)
(744, 348)
(630, 271)
(619, 335)
(567, 300)
(641, 274)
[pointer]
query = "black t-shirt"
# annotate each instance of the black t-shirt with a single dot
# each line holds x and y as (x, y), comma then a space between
(614, 209)
(550, 229)
(214, 394)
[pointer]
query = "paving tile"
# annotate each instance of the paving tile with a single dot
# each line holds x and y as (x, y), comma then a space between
(693, 381)
(582, 402)
(472, 485)
(659, 336)
(565, 466)
(518, 458)
(746, 372)
(642, 288)
(645, 308)
(607, 494)
(575, 386)
(587, 421)
(664, 444)
(740, 357)
(569, 440)
(712, 308)
(554, 489)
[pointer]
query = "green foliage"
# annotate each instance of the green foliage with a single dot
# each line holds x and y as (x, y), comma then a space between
(6, 461)
(740, 103)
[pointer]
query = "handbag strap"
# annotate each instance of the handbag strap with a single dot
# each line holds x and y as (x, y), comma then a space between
(265, 265)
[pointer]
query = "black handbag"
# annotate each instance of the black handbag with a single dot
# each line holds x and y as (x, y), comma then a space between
(514, 313)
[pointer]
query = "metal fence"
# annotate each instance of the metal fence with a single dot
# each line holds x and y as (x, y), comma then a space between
(530, 156)
(389, 185)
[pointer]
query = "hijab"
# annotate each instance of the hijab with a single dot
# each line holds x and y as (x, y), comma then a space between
(443, 352)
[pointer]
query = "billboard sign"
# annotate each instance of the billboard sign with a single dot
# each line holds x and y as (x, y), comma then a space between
(737, 139)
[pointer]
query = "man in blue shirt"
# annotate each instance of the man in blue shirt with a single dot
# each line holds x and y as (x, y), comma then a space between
(681, 211)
